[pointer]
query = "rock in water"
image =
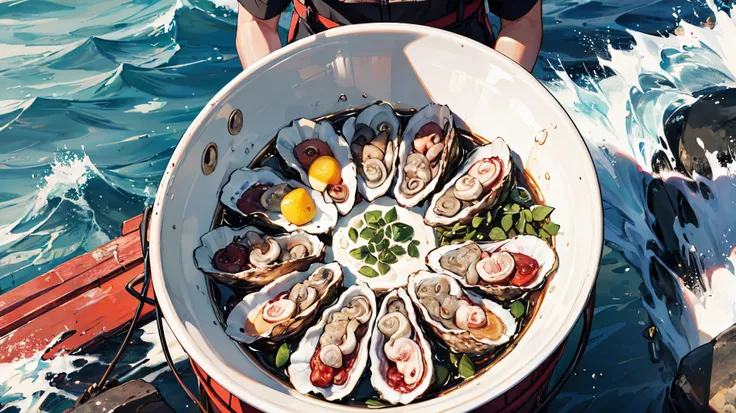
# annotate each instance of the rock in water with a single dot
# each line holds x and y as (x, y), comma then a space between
(709, 125)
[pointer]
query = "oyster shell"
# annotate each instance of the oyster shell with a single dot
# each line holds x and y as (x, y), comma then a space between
(482, 181)
(265, 259)
(245, 179)
(459, 262)
(341, 336)
(301, 130)
(399, 271)
(428, 146)
(464, 321)
(307, 293)
(397, 329)
(369, 124)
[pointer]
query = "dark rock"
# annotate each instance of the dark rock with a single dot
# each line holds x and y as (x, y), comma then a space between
(136, 396)
(710, 122)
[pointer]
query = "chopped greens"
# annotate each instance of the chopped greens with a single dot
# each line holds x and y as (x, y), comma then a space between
(515, 215)
(385, 236)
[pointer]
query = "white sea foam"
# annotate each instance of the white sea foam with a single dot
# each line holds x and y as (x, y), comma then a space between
(66, 181)
(621, 118)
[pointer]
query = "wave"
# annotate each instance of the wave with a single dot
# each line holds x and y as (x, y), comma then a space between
(658, 75)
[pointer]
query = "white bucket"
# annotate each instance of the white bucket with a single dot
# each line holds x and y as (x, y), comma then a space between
(409, 66)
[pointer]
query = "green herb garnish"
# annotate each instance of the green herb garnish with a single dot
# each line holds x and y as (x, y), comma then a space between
(397, 250)
(353, 234)
(507, 222)
(383, 268)
(401, 232)
(477, 221)
(367, 233)
(497, 234)
(372, 217)
(368, 271)
(390, 215)
(541, 212)
(282, 356)
(359, 253)
(387, 257)
(441, 373)
(517, 309)
(466, 369)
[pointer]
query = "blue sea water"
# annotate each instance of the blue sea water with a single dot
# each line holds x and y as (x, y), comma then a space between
(96, 94)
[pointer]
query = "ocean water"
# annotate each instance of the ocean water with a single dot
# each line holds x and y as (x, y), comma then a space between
(96, 95)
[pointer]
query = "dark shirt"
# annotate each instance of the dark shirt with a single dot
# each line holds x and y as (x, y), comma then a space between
(403, 11)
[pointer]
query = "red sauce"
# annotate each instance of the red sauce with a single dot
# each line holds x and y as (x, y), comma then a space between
(526, 269)
(250, 200)
(232, 259)
(324, 376)
(395, 379)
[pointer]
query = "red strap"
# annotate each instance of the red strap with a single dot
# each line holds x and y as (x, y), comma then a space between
(301, 11)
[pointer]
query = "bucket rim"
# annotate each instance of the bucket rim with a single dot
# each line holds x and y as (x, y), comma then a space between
(475, 397)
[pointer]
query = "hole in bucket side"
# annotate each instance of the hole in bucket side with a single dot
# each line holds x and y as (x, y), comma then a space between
(235, 122)
(209, 158)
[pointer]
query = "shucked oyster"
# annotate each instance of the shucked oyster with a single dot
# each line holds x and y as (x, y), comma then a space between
(247, 257)
(333, 354)
(287, 306)
(505, 269)
(258, 193)
(373, 137)
(484, 179)
(467, 323)
(302, 142)
(401, 358)
(428, 146)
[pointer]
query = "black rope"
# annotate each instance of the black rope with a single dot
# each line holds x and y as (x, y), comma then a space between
(170, 362)
(96, 388)
(587, 326)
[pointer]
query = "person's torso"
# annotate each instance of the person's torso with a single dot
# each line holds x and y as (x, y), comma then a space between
(467, 19)
(403, 11)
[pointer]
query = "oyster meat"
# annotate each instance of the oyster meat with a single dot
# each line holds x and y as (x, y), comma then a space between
(464, 321)
(257, 193)
(285, 307)
(374, 142)
(401, 358)
(303, 142)
(248, 257)
(428, 146)
(504, 269)
(333, 354)
(482, 181)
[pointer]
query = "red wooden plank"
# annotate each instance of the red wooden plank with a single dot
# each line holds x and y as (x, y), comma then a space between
(132, 224)
(28, 291)
(80, 323)
(98, 266)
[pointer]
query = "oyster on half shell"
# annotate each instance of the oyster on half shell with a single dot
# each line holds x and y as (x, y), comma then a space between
(483, 180)
(374, 142)
(398, 347)
(333, 354)
(285, 307)
(257, 193)
(428, 146)
(504, 269)
(248, 257)
(464, 321)
(303, 141)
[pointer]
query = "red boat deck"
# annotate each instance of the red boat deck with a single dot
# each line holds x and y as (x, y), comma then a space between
(79, 304)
